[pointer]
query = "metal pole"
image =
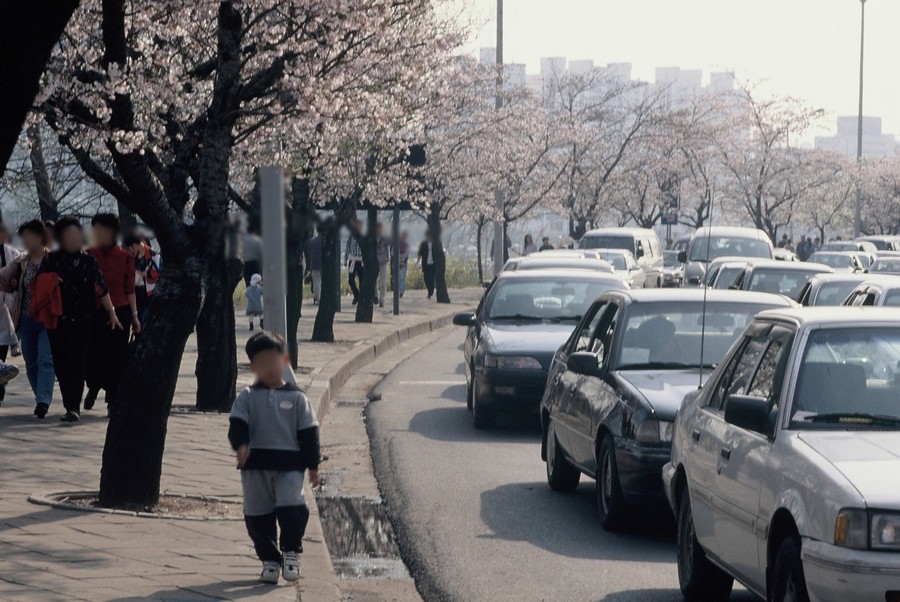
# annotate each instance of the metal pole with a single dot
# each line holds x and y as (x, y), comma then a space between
(859, 122)
(395, 258)
(499, 234)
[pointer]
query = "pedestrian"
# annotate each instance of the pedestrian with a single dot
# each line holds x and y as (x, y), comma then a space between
(545, 244)
(354, 259)
(8, 304)
(426, 260)
(784, 241)
(254, 294)
(146, 270)
(275, 434)
(20, 276)
(108, 349)
(790, 245)
(403, 260)
(80, 285)
(528, 247)
(803, 248)
(383, 253)
(253, 255)
(817, 243)
(314, 263)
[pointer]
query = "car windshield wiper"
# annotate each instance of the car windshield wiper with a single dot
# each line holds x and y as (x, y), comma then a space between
(854, 418)
(565, 318)
(516, 317)
(662, 366)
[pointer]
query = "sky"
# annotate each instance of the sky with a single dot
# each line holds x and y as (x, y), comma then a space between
(804, 48)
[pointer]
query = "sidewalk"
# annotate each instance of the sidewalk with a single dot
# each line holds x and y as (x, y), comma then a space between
(52, 554)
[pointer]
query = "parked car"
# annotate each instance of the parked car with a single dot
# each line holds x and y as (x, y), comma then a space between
(642, 242)
(883, 242)
(625, 266)
(673, 270)
(708, 244)
(537, 262)
(841, 261)
(520, 323)
(784, 467)
(681, 244)
(875, 291)
(782, 254)
(615, 386)
(829, 289)
(778, 277)
(886, 265)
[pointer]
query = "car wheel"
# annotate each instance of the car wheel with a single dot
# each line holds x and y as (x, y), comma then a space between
(788, 581)
(610, 501)
(561, 476)
(482, 417)
(699, 579)
(469, 389)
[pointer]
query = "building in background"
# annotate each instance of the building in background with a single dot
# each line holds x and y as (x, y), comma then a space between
(875, 143)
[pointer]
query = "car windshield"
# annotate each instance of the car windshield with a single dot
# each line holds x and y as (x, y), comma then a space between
(834, 293)
(727, 246)
(616, 259)
(550, 298)
(669, 334)
(670, 259)
(849, 378)
(782, 282)
(608, 241)
(727, 275)
(834, 261)
(892, 299)
(886, 266)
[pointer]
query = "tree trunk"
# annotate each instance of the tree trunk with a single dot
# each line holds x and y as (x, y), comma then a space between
(323, 328)
(216, 368)
(479, 228)
(28, 32)
(47, 201)
(299, 219)
(136, 435)
(441, 294)
(365, 306)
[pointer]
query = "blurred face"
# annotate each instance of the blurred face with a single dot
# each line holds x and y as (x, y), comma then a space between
(32, 242)
(103, 236)
(72, 239)
(268, 366)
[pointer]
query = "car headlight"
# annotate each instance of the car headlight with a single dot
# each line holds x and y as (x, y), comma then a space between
(851, 529)
(654, 431)
(884, 531)
(514, 362)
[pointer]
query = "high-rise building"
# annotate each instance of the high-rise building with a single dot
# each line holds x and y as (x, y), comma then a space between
(875, 143)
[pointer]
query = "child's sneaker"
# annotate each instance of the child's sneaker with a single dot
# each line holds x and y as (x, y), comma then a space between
(270, 572)
(290, 566)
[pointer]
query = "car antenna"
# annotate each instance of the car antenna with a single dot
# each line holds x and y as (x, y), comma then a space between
(712, 194)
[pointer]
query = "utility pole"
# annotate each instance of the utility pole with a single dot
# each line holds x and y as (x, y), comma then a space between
(859, 123)
(499, 230)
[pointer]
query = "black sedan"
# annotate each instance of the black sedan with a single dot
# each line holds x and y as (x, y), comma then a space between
(518, 326)
(616, 384)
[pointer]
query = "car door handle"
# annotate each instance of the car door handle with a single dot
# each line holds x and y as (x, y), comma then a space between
(695, 435)
(725, 453)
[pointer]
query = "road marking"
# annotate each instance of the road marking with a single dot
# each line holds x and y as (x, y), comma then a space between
(432, 382)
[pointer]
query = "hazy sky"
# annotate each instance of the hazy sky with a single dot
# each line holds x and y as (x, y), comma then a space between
(805, 48)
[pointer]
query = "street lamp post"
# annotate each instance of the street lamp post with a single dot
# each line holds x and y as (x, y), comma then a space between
(859, 121)
(499, 234)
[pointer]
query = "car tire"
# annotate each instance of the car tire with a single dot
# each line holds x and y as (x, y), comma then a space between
(470, 385)
(611, 503)
(482, 417)
(788, 580)
(699, 579)
(561, 476)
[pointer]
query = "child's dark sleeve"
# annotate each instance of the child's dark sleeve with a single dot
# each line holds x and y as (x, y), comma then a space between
(239, 421)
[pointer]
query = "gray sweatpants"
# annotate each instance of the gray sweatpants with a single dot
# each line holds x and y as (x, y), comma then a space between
(272, 497)
(265, 490)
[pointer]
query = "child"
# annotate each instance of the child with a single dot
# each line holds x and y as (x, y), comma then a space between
(255, 300)
(275, 433)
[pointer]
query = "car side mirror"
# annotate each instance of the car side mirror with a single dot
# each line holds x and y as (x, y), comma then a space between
(682, 256)
(464, 319)
(583, 362)
(747, 412)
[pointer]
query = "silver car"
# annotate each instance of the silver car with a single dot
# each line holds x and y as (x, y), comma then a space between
(785, 467)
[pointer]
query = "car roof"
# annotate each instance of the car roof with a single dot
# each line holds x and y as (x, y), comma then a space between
(788, 266)
(656, 295)
(841, 253)
(733, 232)
(882, 281)
(841, 315)
(559, 273)
(826, 277)
(630, 230)
(563, 262)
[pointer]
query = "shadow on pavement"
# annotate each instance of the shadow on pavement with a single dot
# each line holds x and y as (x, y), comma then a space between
(217, 590)
(455, 393)
(664, 595)
(455, 424)
(567, 524)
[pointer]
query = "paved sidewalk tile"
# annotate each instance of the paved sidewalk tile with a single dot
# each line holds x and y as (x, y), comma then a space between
(49, 554)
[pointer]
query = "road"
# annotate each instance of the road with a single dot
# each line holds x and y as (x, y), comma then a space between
(475, 517)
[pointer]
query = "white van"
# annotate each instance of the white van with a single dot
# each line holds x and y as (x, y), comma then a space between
(711, 243)
(642, 242)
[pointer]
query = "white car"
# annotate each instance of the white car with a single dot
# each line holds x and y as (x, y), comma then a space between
(625, 265)
(785, 467)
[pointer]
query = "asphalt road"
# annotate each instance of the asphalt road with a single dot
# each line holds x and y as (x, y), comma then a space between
(475, 517)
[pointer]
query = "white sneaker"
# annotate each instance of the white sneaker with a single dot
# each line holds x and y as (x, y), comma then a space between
(7, 373)
(270, 572)
(290, 566)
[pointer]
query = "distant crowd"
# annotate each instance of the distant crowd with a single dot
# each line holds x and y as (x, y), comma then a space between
(73, 311)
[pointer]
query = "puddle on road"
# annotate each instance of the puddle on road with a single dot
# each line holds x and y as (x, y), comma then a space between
(359, 537)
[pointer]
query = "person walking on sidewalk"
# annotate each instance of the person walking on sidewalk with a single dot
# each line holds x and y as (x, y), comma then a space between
(146, 270)
(275, 434)
(353, 254)
(403, 249)
(254, 296)
(108, 349)
(20, 275)
(383, 252)
(81, 285)
(426, 260)
(8, 304)
(314, 263)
